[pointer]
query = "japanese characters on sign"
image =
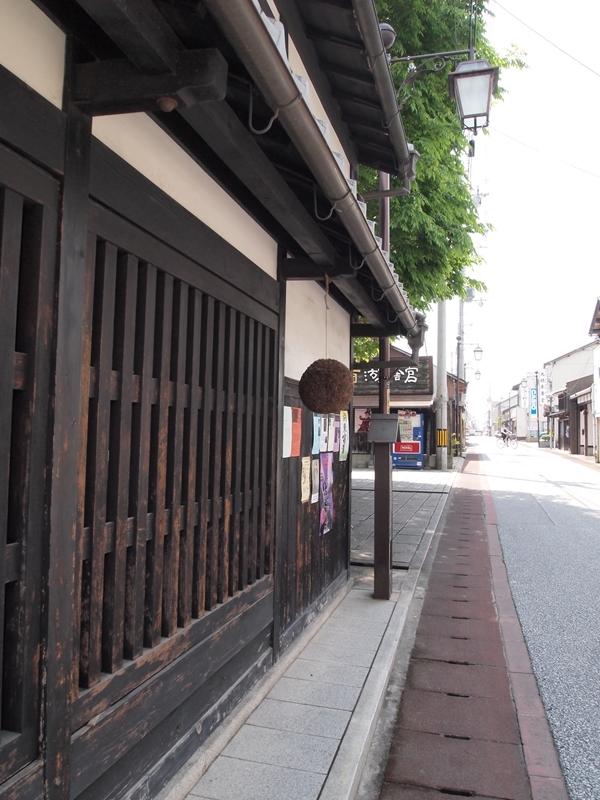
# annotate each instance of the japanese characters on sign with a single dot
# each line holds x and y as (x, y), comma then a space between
(406, 378)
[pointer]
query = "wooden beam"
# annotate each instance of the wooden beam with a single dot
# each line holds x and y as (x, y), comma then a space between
(117, 87)
(363, 78)
(139, 30)
(363, 302)
(372, 332)
(305, 269)
(222, 130)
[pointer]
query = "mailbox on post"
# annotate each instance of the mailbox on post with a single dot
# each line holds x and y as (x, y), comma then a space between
(383, 428)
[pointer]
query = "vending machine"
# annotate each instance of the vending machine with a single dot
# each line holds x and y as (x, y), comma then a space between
(407, 453)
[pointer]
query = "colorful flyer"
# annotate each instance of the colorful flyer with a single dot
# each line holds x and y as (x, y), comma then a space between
(336, 433)
(326, 481)
(324, 432)
(330, 432)
(287, 431)
(316, 445)
(315, 480)
(344, 435)
(296, 431)
(305, 480)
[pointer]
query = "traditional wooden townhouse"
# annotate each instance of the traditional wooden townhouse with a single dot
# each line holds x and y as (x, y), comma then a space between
(180, 238)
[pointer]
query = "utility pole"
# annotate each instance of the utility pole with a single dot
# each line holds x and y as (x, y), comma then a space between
(441, 414)
(460, 371)
(382, 490)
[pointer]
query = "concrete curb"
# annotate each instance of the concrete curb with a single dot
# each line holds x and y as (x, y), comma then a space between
(343, 780)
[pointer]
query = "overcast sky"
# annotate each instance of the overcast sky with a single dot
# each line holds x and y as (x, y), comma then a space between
(538, 171)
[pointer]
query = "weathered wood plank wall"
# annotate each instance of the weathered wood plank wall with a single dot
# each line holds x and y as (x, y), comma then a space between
(309, 563)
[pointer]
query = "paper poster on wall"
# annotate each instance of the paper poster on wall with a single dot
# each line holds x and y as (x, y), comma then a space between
(296, 430)
(324, 432)
(326, 481)
(330, 432)
(316, 445)
(362, 420)
(305, 480)
(287, 431)
(315, 480)
(336, 433)
(344, 435)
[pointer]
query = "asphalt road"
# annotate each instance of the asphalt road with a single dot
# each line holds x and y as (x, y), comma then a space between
(548, 509)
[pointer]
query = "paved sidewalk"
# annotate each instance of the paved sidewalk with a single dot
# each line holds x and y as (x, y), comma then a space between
(304, 732)
(470, 721)
(418, 496)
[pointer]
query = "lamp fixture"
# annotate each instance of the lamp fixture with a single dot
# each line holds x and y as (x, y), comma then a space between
(472, 85)
(477, 353)
(477, 374)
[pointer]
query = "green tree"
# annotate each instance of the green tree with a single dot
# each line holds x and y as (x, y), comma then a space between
(432, 229)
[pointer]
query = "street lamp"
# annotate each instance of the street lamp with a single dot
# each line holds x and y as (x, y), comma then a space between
(477, 374)
(477, 353)
(472, 85)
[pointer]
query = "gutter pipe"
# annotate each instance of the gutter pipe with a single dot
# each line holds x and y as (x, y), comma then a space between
(368, 23)
(241, 22)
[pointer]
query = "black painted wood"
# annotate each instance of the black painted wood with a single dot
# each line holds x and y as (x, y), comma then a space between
(30, 123)
(117, 87)
(119, 731)
(311, 562)
(120, 187)
(66, 479)
(140, 32)
(29, 208)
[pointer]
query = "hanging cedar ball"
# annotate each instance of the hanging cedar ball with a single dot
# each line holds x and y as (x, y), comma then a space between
(326, 386)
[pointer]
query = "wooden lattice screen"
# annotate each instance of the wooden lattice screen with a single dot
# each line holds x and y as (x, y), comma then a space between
(175, 511)
(28, 225)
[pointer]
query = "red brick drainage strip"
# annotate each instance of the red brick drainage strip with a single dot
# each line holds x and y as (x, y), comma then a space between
(471, 723)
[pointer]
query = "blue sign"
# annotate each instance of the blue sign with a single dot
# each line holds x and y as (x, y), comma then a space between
(533, 404)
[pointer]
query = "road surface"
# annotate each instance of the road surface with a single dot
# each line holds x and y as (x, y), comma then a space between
(548, 508)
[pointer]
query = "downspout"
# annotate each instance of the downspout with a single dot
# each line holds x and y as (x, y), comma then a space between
(241, 22)
(368, 23)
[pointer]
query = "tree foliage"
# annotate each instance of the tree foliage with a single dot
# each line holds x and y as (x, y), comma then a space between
(432, 229)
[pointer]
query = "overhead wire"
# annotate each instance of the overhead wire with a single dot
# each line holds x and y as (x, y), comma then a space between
(492, 129)
(545, 38)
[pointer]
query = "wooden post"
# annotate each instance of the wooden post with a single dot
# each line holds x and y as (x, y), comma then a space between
(382, 586)
(66, 480)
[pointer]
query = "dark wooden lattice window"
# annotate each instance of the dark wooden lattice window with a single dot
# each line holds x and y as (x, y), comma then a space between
(176, 515)
(28, 229)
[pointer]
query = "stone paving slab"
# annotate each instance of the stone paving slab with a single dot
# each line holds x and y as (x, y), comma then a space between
(489, 718)
(495, 769)
(393, 791)
(235, 778)
(467, 679)
(487, 652)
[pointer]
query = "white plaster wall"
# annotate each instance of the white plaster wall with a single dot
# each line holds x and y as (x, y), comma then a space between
(144, 145)
(315, 104)
(32, 48)
(307, 337)
(571, 366)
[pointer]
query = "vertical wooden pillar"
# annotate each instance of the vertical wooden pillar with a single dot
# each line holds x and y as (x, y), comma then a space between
(66, 480)
(280, 534)
(382, 519)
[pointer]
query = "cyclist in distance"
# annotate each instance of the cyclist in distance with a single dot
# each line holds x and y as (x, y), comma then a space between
(505, 433)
